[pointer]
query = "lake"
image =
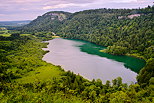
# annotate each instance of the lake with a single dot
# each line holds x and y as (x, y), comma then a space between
(84, 58)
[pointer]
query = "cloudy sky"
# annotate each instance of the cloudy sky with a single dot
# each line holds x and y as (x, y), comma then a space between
(11, 10)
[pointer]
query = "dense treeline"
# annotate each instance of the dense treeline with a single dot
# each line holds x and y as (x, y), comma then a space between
(73, 88)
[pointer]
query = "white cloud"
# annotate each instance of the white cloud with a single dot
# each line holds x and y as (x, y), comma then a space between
(24, 1)
(59, 6)
(11, 9)
(115, 1)
(2, 15)
(64, 6)
(123, 1)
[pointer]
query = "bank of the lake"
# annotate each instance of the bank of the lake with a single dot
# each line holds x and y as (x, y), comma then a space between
(85, 59)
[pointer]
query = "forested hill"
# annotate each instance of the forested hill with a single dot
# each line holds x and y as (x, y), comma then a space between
(47, 22)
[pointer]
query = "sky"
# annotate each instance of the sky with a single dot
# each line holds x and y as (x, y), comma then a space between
(15, 10)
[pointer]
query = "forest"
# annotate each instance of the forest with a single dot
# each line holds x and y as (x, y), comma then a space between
(26, 78)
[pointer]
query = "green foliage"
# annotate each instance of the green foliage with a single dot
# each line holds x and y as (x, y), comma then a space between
(15, 35)
(151, 81)
(120, 97)
(44, 35)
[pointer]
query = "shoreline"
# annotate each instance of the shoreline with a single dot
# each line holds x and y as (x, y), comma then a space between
(71, 70)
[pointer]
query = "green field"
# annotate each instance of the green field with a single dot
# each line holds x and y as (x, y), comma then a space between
(43, 73)
(8, 34)
(5, 35)
(4, 32)
(25, 34)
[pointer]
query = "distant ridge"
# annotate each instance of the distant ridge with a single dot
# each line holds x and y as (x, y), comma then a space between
(54, 20)
(14, 23)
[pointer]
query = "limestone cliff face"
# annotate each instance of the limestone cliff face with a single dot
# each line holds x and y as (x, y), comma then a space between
(57, 15)
(129, 16)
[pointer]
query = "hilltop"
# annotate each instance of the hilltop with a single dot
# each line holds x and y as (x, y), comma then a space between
(47, 22)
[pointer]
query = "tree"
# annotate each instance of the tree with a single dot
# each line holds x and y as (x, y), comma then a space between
(15, 34)
(108, 84)
(151, 81)
(92, 95)
(119, 81)
(119, 97)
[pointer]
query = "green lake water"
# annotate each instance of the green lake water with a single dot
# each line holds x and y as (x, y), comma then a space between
(132, 63)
